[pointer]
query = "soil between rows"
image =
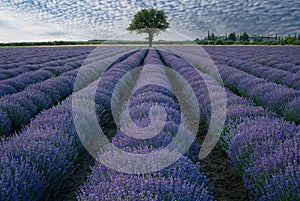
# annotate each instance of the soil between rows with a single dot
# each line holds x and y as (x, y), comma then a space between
(227, 185)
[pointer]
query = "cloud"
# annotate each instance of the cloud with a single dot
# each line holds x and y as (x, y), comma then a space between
(108, 19)
(23, 28)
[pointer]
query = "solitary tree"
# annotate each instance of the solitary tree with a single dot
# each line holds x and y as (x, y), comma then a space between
(151, 22)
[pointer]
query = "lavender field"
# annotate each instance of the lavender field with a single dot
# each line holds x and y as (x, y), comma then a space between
(243, 102)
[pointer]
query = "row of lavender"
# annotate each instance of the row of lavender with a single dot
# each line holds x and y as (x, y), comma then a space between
(45, 54)
(281, 70)
(290, 79)
(262, 147)
(284, 58)
(287, 76)
(15, 61)
(239, 59)
(180, 181)
(21, 81)
(36, 163)
(17, 109)
(279, 98)
(28, 72)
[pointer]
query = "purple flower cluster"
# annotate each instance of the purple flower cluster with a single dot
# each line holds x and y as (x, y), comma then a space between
(5, 122)
(21, 107)
(35, 163)
(195, 80)
(6, 89)
(265, 152)
(180, 181)
(34, 73)
(292, 110)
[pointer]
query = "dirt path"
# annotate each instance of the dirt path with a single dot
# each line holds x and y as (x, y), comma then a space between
(77, 179)
(86, 161)
(227, 185)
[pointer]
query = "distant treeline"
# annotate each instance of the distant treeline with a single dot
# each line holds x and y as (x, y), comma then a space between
(245, 39)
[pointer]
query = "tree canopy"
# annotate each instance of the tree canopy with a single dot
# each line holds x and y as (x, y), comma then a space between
(232, 36)
(149, 21)
(244, 37)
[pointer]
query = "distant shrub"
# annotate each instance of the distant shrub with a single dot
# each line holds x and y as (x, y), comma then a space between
(202, 42)
(271, 42)
(219, 42)
(296, 42)
(229, 42)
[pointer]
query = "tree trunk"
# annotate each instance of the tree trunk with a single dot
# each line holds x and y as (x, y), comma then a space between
(150, 38)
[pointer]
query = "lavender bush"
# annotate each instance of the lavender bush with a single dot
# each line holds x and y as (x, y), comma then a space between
(180, 181)
(264, 151)
(40, 157)
(292, 110)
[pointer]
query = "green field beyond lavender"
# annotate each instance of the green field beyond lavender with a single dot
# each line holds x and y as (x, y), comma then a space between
(243, 102)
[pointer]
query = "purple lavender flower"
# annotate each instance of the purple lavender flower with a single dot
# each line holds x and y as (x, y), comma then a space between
(180, 181)
(292, 110)
(6, 89)
(275, 176)
(17, 114)
(40, 157)
(259, 135)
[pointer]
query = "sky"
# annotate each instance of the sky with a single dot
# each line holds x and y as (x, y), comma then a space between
(48, 20)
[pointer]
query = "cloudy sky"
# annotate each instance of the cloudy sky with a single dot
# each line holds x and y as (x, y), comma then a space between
(44, 20)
